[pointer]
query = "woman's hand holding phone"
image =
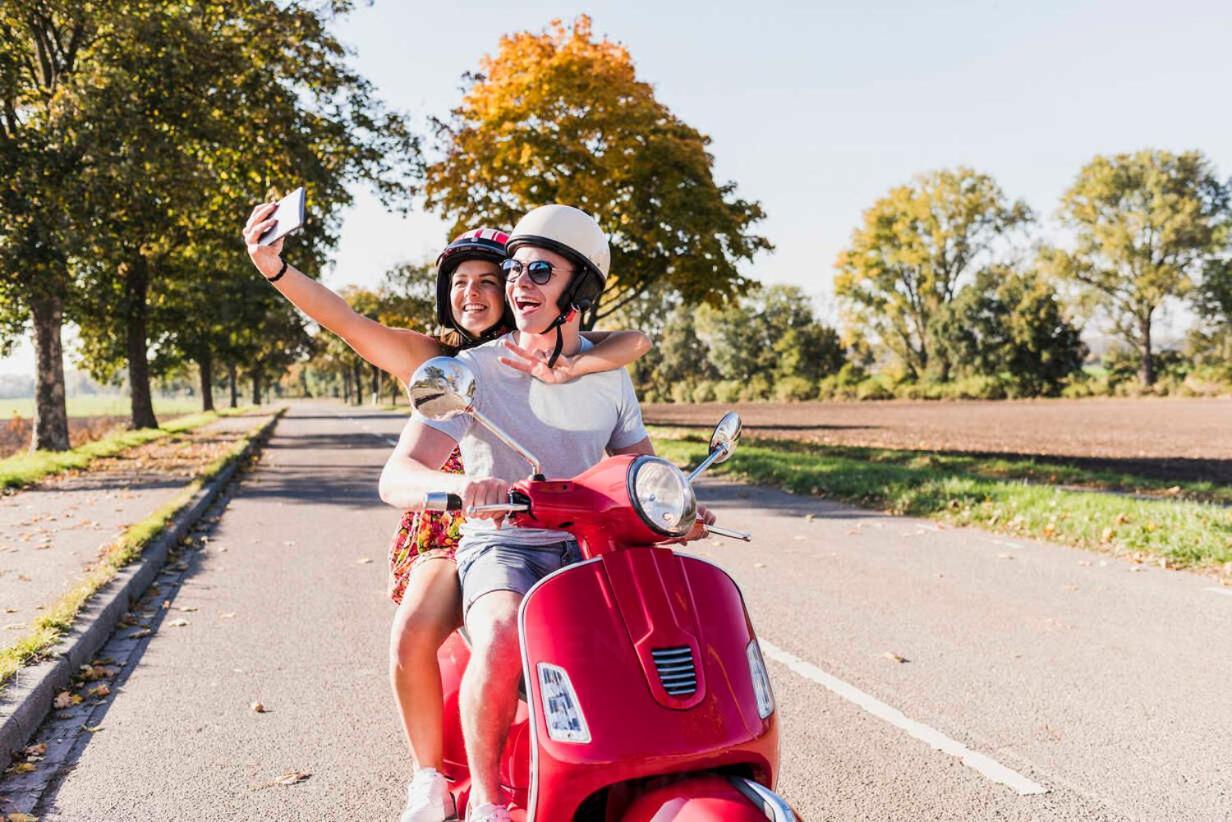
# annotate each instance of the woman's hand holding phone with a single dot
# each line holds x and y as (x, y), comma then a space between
(267, 258)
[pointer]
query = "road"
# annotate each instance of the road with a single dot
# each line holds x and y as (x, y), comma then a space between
(920, 672)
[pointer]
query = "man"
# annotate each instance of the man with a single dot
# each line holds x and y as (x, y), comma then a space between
(559, 264)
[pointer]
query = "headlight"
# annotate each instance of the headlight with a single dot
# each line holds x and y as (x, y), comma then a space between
(761, 680)
(662, 496)
(560, 705)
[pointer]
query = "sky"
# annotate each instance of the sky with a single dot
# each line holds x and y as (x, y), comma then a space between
(818, 110)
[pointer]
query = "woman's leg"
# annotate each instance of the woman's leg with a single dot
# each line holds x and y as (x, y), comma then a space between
(430, 610)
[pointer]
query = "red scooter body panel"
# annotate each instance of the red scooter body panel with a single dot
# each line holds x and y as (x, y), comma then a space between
(599, 620)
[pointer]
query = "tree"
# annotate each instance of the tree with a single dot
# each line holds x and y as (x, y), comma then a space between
(42, 44)
(1010, 326)
(174, 114)
(916, 248)
(1144, 225)
(1210, 342)
(561, 117)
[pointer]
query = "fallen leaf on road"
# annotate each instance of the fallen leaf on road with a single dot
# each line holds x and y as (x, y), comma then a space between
(365, 560)
(1005, 556)
(810, 517)
(10, 610)
(92, 729)
(100, 691)
(24, 767)
(228, 615)
(759, 565)
(144, 632)
(799, 537)
(1134, 569)
(21, 817)
(291, 777)
(895, 657)
(258, 708)
(186, 610)
(62, 700)
(1085, 562)
(178, 623)
(166, 604)
(36, 750)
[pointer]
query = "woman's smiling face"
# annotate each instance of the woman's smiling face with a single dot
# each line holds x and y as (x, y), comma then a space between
(477, 295)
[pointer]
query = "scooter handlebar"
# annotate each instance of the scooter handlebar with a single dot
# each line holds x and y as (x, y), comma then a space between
(441, 501)
(727, 532)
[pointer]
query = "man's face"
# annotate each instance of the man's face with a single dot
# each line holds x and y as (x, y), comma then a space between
(534, 305)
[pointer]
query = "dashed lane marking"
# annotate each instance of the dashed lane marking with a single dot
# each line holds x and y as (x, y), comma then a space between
(1225, 591)
(986, 765)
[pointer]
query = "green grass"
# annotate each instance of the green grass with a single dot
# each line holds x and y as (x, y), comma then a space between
(1019, 498)
(23, 469)
(97, 406)
(58, 617)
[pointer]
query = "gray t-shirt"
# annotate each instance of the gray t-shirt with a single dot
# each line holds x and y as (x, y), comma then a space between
(568, 426)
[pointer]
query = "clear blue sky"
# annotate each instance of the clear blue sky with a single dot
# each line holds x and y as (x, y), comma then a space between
(817, 111)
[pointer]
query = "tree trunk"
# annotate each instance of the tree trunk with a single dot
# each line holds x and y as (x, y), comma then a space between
(256, 387)
(235, 386)
(205, 364)
(346, 385)
(376, 385)
(1146, 369)
(50, 410)
(358, 379)
(136, 288)
(393, 390)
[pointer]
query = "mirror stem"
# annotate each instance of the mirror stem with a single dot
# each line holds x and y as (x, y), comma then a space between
(706, 463)
(508, 440)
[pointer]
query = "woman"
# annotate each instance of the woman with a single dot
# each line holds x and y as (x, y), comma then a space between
(471, 310)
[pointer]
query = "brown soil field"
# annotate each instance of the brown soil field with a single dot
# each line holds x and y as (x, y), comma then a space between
(15, 432)
(1181, 438)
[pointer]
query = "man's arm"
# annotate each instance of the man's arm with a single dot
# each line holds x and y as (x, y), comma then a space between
(637, 448)
(409, 474)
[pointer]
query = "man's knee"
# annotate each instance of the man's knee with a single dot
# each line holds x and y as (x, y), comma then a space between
(492, 623)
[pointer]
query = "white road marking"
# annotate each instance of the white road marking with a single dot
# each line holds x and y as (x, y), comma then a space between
(986, 765)
(1005, 543)
(364, 427)
(1225, 591)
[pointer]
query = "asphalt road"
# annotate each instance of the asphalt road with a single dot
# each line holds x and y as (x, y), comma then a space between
(920, 673)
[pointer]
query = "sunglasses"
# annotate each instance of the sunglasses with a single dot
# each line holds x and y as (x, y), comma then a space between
(539, 271)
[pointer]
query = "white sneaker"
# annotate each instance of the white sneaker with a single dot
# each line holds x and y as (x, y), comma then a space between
(428, 798)
(488, 812)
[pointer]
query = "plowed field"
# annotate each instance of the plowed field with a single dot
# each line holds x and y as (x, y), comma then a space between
(1187, 439)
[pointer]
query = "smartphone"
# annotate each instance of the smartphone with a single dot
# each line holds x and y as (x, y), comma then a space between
(290, 215)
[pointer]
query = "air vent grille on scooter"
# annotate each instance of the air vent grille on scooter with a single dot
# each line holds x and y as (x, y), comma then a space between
(676, 670)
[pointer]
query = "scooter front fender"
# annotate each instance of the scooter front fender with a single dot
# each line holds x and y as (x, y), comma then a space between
(706, 798)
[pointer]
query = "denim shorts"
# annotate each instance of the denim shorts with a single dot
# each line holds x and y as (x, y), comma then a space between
(496, 567)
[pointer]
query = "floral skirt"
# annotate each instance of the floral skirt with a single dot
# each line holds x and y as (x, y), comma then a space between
(423, 534)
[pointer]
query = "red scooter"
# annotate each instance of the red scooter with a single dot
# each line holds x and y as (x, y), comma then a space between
(645, 696)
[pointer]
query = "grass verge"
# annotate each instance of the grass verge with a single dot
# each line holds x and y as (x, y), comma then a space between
(23, 469)
(1011, 497)
(58, 617)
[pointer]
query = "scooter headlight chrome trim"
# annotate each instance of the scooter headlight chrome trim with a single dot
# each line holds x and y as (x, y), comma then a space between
(761, 680)
(562, 711)
(662, 496)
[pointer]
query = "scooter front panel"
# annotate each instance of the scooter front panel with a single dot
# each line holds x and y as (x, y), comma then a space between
(596, 623)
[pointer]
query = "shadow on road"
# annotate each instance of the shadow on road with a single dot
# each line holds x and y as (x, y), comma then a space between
(720, 495)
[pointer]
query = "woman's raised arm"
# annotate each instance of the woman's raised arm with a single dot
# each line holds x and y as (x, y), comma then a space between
(398, 351)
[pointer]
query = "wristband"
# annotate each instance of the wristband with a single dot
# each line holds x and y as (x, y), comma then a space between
(278, 276)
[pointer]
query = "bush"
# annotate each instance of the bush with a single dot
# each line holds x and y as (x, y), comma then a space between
(727, 390)
(757, 388)
(874, 388)
(682, 392)
(794, 389)
(704, 391)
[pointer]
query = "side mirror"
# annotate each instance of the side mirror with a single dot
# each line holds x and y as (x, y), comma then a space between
(442, 388)
(722, 443)
(726, 435)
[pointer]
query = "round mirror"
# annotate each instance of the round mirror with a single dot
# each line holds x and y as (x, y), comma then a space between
(726, 435)
(442, 388)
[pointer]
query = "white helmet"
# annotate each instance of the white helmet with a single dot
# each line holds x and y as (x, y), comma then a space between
(569, 232)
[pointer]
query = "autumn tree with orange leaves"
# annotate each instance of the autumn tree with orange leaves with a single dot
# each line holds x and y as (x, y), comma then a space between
(561, 117)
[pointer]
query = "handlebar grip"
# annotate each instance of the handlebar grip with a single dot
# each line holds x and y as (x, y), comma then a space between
(440, 501)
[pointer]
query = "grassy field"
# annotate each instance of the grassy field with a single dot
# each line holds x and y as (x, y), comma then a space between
(1182, 525)
(97, 406)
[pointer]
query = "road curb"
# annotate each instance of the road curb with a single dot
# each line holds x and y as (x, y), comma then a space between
(27, 701)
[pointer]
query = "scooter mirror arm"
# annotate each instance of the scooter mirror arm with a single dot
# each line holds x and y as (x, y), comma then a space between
(727, 532)
(706, 463)
(508, 440)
